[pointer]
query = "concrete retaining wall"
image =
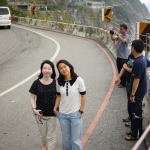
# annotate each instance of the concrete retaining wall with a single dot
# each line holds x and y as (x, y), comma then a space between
(98, 34)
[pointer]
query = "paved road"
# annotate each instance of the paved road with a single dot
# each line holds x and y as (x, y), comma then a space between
(21, 53)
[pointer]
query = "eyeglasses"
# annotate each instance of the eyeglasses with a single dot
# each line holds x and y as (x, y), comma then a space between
(67, 88)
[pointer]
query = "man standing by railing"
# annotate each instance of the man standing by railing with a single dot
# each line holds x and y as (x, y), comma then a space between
(122, 49)
(137, 89)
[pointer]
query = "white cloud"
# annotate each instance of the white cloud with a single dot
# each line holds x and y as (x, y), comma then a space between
(145, 1)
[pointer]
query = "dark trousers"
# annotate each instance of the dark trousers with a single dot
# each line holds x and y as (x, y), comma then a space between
(135, 109)
(129, 106)
(136, 127)
(120, 62)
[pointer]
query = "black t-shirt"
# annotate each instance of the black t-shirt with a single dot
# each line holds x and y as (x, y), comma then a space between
(139, 72)
(129, 65)
(45, 96)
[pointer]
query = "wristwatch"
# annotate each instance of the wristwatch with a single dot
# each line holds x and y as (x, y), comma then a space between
(132, 95)
(81, 111)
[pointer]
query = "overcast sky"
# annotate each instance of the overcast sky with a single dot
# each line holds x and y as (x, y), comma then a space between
(147, 3)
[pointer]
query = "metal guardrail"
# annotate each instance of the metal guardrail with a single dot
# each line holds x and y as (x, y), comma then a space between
(138, 143)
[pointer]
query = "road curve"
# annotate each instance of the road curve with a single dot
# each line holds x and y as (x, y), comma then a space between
(20, 57)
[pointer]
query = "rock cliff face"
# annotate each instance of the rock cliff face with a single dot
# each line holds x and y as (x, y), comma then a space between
(139, 8)
(130, 11)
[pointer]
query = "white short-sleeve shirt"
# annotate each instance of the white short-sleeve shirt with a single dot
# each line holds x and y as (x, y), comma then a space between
(70, 94)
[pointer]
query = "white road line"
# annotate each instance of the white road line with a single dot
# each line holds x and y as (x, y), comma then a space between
(36, 73)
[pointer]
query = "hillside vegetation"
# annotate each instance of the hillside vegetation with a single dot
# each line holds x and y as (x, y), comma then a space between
(130, 10)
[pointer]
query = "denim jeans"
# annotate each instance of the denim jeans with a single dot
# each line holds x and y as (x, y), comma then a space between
(71, 128)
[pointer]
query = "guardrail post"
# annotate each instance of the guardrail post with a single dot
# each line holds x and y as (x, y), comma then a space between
(138, 143)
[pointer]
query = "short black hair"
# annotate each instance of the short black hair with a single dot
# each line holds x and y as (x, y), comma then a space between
(124, 26)
(138, 46)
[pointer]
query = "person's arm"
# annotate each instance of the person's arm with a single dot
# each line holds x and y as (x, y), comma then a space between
(137, 75)
(82, 91)
(121, 73)
(127, 68)
(83, 100)
(56, 105)
(119, 37)
(32, 101)
(148, 65)
(148, 69)
(117, 82)
(113, 38)
(134, 88)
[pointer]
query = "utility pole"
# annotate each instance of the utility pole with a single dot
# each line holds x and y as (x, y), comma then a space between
(46, 10)
(83, 11)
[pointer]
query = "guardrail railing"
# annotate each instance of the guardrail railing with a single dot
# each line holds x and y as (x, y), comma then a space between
(139, 142)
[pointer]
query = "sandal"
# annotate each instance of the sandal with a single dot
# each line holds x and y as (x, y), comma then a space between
(121, 86)
(130, 138)
(129, 132)
(128, 124)
(126, 119)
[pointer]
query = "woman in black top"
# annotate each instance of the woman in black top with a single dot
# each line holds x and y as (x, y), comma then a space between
(43, 90)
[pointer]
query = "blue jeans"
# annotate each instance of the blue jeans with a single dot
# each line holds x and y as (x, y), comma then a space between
(71, 128)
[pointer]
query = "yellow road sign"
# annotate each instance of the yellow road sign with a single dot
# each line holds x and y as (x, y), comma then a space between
(106, 14)
(143, 29)
(33, 10)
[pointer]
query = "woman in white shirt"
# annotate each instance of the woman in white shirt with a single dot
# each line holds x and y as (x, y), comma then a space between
(71, 97)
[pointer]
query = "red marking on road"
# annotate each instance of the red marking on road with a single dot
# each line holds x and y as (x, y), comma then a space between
(104, 104)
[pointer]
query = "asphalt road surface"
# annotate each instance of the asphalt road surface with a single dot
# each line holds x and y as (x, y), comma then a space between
(21, 53)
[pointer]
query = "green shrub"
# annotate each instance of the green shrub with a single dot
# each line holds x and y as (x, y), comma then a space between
(18, 12)
(3, 3)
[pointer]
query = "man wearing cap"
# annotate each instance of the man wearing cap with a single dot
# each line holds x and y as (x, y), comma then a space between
(122, 49)
(137, 90)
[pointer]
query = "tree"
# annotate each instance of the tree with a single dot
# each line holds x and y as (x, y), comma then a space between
(3, 2)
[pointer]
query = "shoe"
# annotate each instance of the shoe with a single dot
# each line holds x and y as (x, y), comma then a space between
(129, 132)
(128, 124)
(130, 138)
(121, 86)
(126, 119)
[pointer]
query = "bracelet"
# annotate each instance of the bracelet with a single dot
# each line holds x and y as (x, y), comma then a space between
(54, 110)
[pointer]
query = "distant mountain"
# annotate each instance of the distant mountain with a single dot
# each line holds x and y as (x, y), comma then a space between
(129, 10)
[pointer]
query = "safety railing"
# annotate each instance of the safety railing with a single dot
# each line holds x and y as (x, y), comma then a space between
(139, 142)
